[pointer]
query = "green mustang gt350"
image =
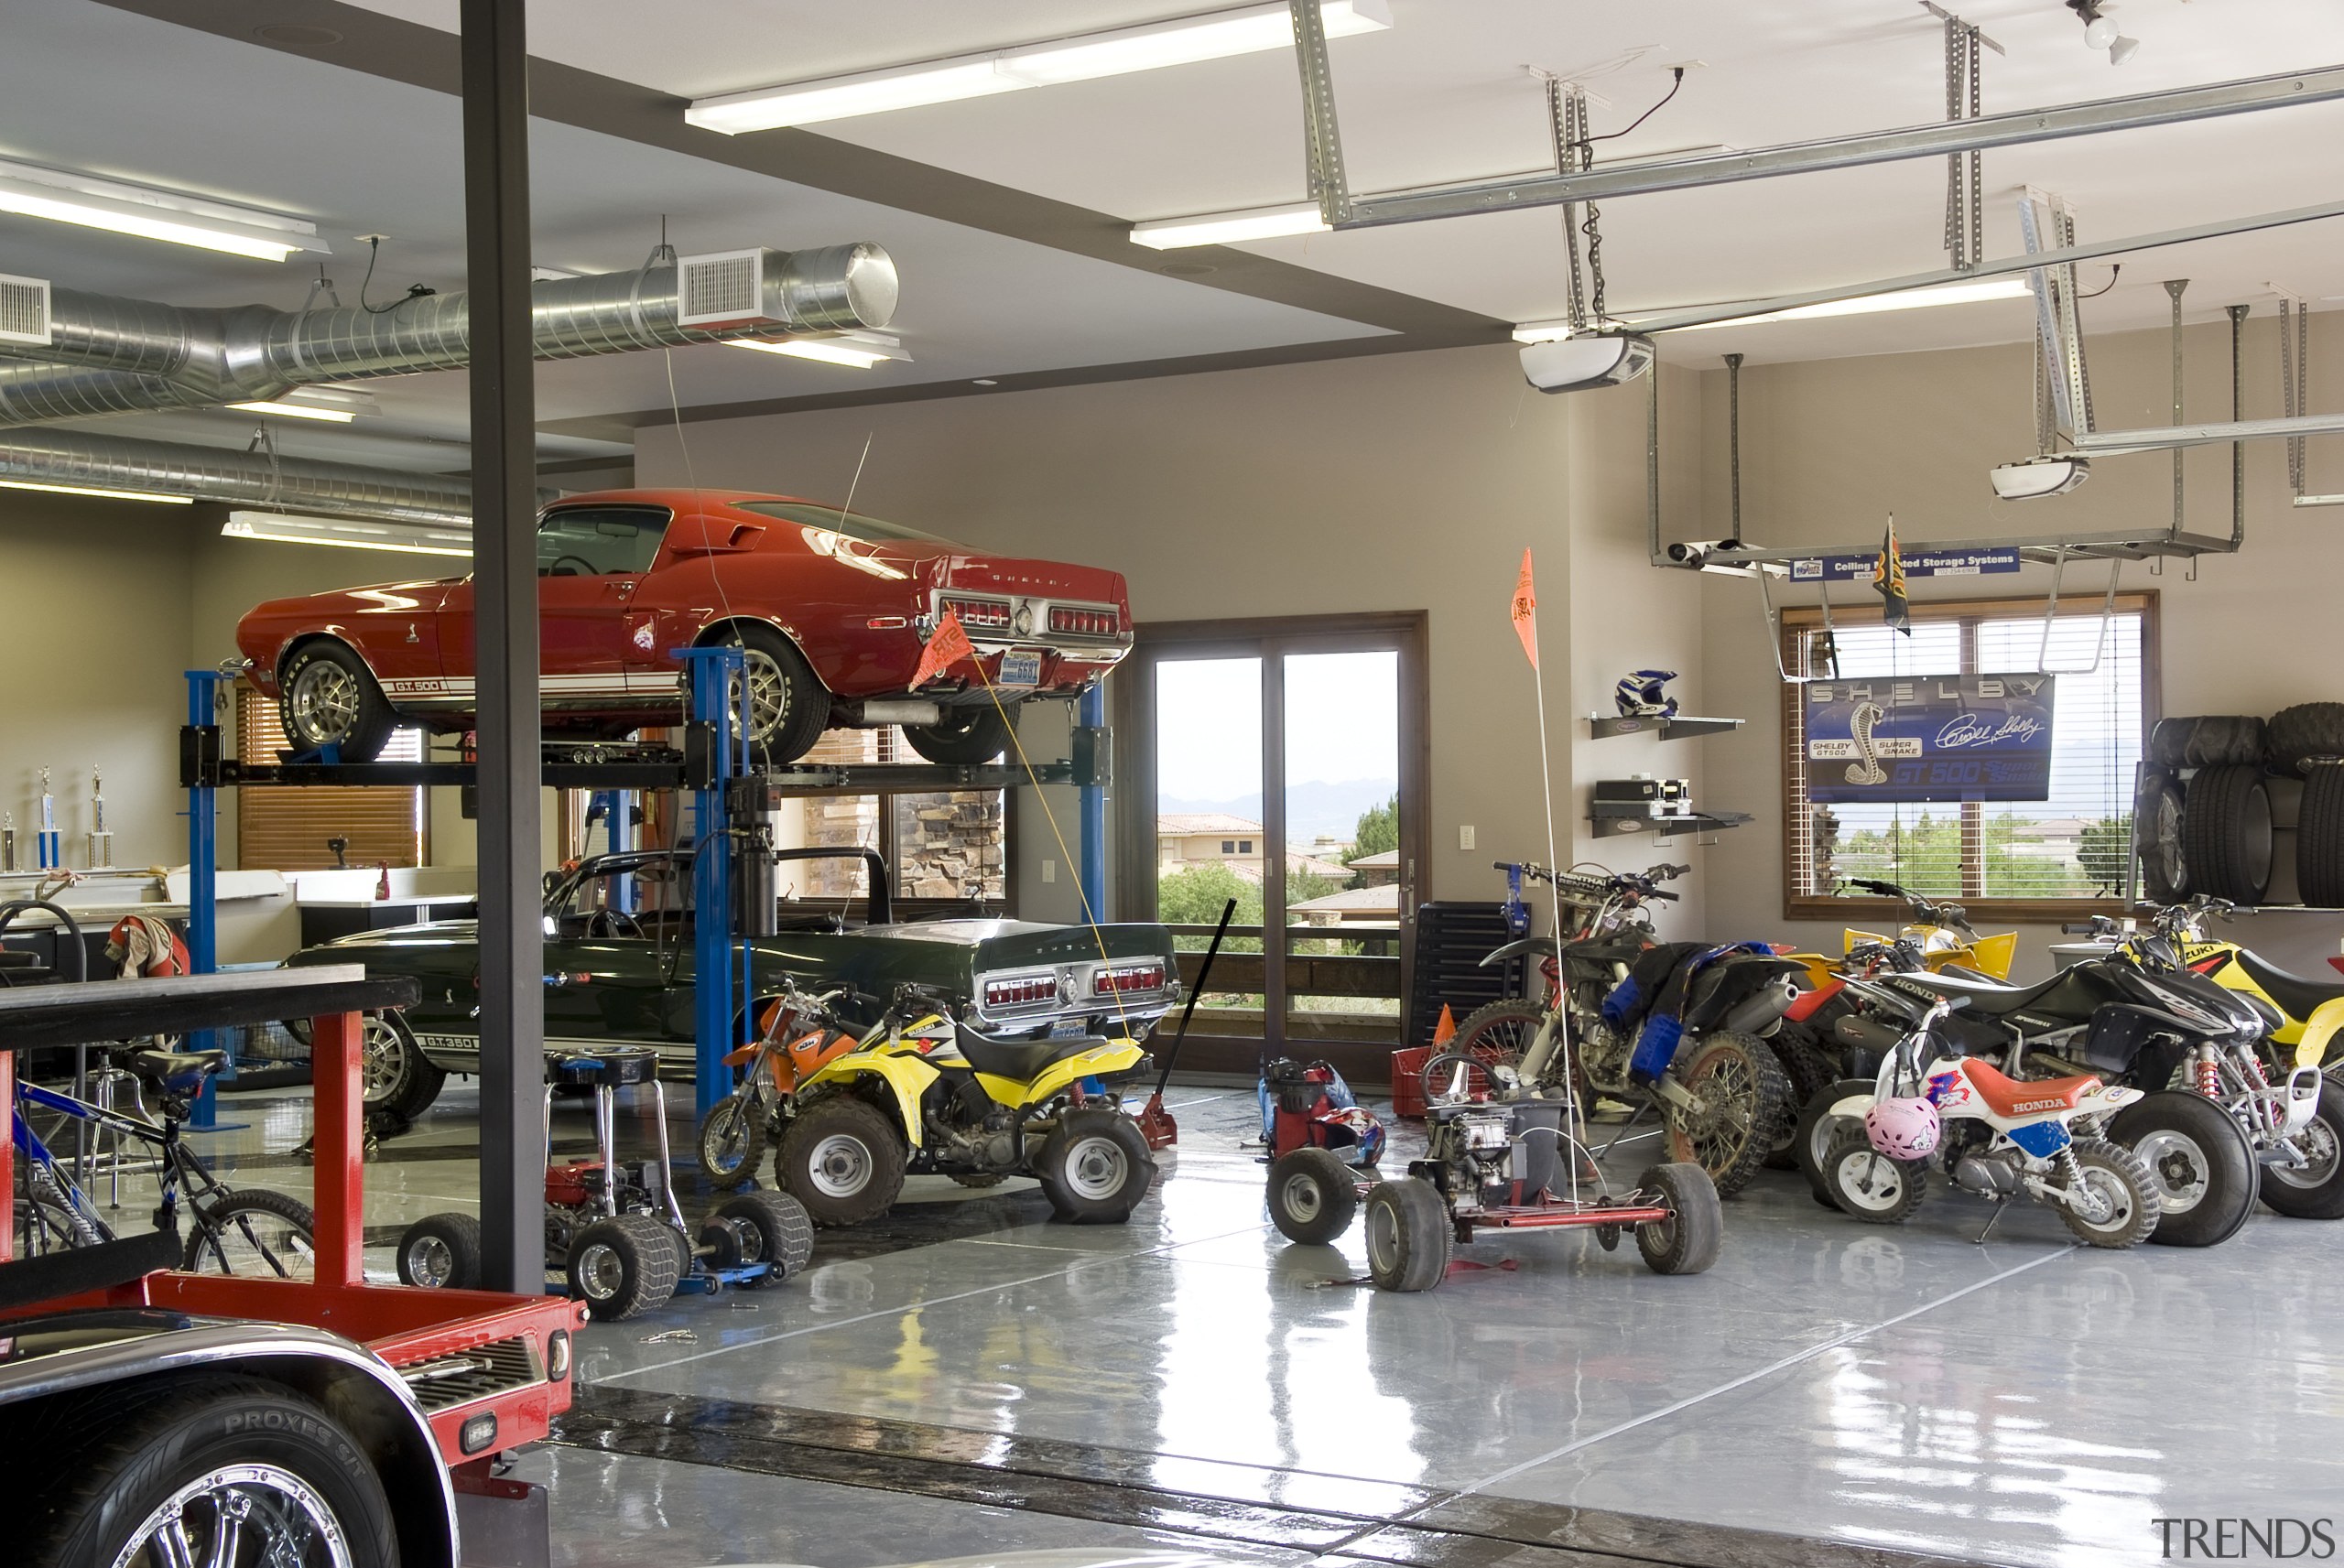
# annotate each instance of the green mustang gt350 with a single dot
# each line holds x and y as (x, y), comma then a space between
(619, 966)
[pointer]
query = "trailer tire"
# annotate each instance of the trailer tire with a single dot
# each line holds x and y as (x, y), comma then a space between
(113, 1472)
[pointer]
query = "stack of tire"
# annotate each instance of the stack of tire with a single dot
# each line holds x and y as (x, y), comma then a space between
(2201, 823)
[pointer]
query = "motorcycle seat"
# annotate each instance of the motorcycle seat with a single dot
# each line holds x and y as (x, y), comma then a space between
(2294, 994)
(2009, 1097)
(1986, 997)
(1022, 1060)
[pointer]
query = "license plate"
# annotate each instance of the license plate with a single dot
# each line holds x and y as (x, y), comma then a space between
(1070, 1029)
(1020, 667)
(463, 1043)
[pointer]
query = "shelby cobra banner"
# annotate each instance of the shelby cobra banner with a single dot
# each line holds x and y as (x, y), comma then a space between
(1928, 738)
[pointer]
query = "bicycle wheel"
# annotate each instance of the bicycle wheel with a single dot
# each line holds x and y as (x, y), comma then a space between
(43, 1224)
(254, 1233)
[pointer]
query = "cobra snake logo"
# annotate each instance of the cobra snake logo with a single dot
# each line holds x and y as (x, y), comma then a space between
(1867, 771)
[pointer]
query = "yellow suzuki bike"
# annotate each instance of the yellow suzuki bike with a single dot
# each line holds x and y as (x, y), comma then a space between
(2311, 1010)
(922, 1092)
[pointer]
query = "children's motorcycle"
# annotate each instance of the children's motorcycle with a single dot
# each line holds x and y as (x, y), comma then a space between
(920, 1091)
(1992, 1135)
(794, 1040)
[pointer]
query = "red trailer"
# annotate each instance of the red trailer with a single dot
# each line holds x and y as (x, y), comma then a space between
(432, 1386)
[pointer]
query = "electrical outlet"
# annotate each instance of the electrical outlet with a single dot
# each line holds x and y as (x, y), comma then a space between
(1049, 870)
(1465, 837)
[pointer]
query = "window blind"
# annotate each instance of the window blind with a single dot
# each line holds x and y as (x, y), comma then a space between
(2073, 845)
(280, 828)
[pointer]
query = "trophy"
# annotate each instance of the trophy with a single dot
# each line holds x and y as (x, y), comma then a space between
(51, 857)
(100, 841)
(8, 842)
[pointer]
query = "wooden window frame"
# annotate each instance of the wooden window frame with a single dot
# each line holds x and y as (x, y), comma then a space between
(1797, 620)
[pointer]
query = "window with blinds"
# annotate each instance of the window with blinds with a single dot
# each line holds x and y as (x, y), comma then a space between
(287, 829)
(2015, 859)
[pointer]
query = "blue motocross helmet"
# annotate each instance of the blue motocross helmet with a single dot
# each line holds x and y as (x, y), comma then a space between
(1639, 695)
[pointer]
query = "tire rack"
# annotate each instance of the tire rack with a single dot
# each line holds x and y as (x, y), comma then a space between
(712, 766)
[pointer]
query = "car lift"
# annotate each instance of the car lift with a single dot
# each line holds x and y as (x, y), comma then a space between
(729, 800)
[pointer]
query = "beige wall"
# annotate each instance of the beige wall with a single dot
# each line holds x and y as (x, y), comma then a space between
(1411, 482)
(1830, 448)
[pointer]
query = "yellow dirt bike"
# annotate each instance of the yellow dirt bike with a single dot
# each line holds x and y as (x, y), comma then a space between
(922, 1092)
(1942, 931)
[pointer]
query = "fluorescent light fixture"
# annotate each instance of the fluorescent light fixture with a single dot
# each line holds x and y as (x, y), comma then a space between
(860, 350)
(2036, 478)
(337, 404)
(1183, 40)
(348, 533)
(1905, 300)
(150, 214)
(102, 494)
(1230, 228)
(298, 411)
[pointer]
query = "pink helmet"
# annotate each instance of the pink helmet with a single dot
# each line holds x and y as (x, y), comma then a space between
(1904, 1126)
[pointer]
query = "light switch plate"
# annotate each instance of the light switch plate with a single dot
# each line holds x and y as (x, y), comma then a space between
(1049, 870)
(1465, 837)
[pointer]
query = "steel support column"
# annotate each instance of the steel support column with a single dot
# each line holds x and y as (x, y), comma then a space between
(713, 675)
(504, 575)
(203, 878)
(1091, 711)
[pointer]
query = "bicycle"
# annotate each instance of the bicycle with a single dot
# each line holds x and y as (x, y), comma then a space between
(247, 1231)
(1722, 1094)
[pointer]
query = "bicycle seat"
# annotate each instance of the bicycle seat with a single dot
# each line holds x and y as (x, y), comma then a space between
(614, 1068)
(1022, 1060)
(168, 1069)
(2296, 993)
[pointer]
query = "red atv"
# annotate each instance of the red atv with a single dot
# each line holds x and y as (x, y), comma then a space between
(1323, 1149)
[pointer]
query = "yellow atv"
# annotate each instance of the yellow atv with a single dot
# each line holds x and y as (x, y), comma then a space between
(2311, 1011)
(921, 1092)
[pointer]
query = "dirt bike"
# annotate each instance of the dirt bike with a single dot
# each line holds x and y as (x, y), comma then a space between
(1992, 1135)
(794, 1042)
(1721, 1093)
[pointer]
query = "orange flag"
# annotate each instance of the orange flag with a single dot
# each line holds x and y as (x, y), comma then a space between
(1525, 609)
(1446, 1030)
(946, 648)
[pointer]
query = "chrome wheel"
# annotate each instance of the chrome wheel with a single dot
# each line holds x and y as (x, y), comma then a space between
(430, 1264)
(381, 1057)
(1096, 1169)
(239, 1514)
(601, 1272)
(2179, 1167)
(323, 702)
(839, 1166)
(2316, 1142)
(768, 693)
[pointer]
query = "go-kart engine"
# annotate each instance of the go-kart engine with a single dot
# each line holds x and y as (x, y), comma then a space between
(1476, 1145)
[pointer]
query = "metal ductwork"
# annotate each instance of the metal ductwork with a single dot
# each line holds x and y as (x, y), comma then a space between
(110, 355)
(252, 479)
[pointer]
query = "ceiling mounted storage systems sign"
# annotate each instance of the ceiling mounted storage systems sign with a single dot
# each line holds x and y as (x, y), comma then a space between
(1928, 738)
(1922, 562)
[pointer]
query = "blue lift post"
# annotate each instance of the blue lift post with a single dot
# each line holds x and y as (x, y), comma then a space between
(202, 877)
(711, 674)
(1092, 713)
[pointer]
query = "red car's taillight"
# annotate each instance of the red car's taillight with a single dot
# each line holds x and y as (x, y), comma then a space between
(1127, 978)
(980, 614)
(1021, 991)
(1078, 621)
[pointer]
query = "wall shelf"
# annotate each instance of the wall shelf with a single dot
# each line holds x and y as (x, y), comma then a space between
(1680, 728)
(1696, 822)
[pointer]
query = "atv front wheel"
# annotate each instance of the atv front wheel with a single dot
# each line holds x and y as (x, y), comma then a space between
(842, 1158)
(1096, 1167)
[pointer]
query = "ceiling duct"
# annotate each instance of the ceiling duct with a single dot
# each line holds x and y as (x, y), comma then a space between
(109, 355)
(248, 479)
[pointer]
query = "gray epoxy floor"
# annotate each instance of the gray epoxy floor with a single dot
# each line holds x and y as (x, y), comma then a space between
(2022, 1402)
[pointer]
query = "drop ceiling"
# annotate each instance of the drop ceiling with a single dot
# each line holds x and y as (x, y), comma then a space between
(1007, 213)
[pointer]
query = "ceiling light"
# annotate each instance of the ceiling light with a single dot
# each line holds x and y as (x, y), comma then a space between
(335, 404)
(2123, 49)
(860, 350)
(1904, 299)
(2036, 478)
(2098, 33)
(101, 494)
(1183, 40)
(348, 533)
(1230, 228)
(151, 215)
